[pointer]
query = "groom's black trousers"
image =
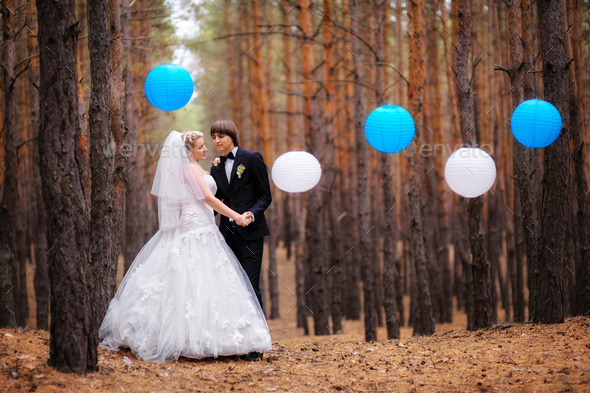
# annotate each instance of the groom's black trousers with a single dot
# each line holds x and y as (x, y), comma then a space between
(249, 253)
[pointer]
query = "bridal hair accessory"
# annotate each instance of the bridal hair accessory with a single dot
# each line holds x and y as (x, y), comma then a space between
(190, 139)
(175, 181)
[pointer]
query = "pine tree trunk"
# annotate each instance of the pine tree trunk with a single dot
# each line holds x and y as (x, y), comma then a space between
(331, 188)
(63, 187)
(352, 294)
(479, 265)
(546, 290)
(9, 195)
(522, 155)
(424, 321)
(39, 234)
(231, 64)
(120, 134)
(364, 225)
(23, 196)
(579, 129)
(455, 229)
(137, 230)
(441, 192)
(300, 258)
(386, 211)
(297, 218)
(315, 225)
(101, 276)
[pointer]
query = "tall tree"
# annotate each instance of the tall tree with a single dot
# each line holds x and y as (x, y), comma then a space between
(352, 108)
(63, 186)
(579, 128)
(101, 275)
(41, 280)
(523, 156)
(9, 195)
(424, 319)
(261, 121)
(389, 233)
(546, 285)
(481, 299)
(440, 194)
(314, 231)
(134, 29)
(23, 200)
(364, 225)
(294, 142)
(332, 181)
(121, 136)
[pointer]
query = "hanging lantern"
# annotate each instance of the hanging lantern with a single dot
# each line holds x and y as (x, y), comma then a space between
(296, 171)
(470, 172)
(389, 128)
(169, 87)
(536, 123)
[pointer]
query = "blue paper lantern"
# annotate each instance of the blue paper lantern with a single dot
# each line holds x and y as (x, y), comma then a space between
(169, 87)
(389, 128)
(536, 123)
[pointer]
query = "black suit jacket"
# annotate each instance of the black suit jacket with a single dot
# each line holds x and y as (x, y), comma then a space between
(248, 192)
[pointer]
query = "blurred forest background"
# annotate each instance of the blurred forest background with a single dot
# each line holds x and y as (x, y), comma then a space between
(302, 76)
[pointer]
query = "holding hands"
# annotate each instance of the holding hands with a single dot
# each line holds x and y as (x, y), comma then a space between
(244, 219)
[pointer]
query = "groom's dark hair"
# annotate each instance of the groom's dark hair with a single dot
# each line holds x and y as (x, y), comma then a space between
(226, 127)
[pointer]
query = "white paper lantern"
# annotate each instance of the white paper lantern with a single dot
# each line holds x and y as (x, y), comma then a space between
(470, 172)
(296, 171)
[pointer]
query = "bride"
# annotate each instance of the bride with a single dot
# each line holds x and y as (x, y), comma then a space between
(185, 293)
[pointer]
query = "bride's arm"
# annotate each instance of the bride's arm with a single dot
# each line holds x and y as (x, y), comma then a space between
(211, 200)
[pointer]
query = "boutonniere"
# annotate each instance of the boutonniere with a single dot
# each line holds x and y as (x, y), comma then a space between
(240, 170)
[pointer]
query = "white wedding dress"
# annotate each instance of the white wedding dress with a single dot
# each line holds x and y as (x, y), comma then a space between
(186, 295)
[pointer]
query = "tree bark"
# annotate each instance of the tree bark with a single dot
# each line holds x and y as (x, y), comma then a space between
(9, 194)
(352, 294)
(101, 275)
(315, 225)
(364, 225)
(546, 291)
(332, 182)
(137, 230)
(120, 134)
(441, 192)
(424, 321)
(522, 155)
(63, 187)
(39, 237)
(389, 232)
(579, 129)
(263, 128)
(479, 265)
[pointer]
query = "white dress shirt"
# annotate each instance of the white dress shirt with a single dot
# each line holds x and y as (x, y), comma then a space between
(229, 164)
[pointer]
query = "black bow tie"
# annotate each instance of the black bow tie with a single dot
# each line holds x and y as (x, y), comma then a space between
(224, 158)
(230, 156)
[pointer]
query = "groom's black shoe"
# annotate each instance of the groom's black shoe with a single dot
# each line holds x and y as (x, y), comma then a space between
(253, 357)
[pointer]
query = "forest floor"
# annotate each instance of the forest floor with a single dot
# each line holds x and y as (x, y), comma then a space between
(506, 358)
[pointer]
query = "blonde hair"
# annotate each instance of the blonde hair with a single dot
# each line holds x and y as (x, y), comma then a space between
(190, 139)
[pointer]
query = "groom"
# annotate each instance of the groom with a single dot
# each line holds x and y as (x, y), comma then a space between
(242, 184)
